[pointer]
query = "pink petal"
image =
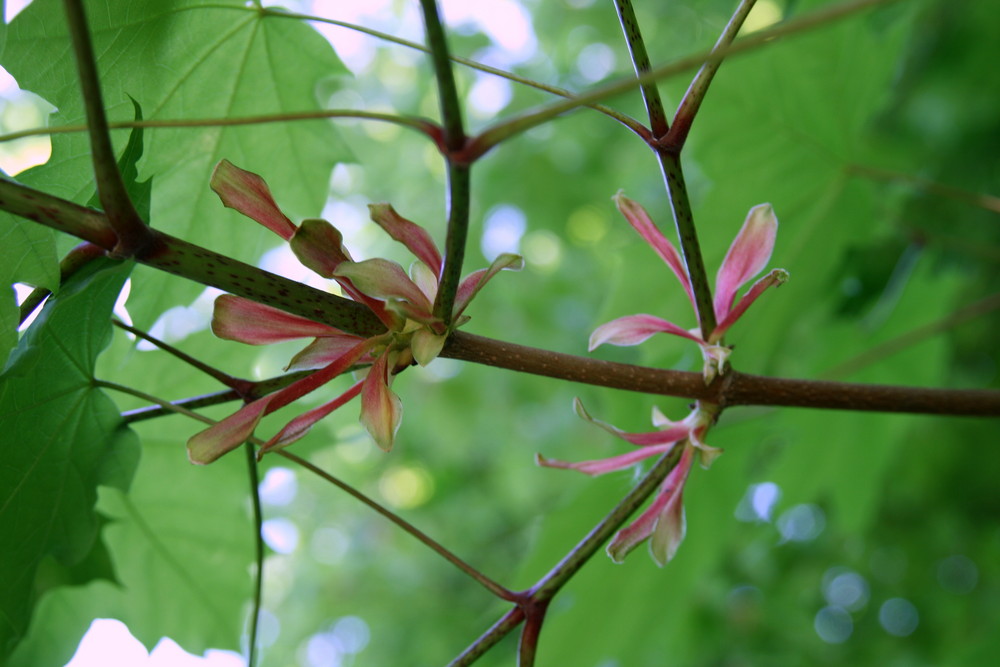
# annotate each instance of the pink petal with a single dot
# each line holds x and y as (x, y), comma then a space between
(410, 234)
(601, 466)
(634, 329)
(475, 281)
(382, 279)
(669, 436)
(300, 388)
(319, 246)
(246, 321)
(641, 222)
(299, 427)
(228, 434)
(381, 409)
(321, 352)
(663, 508)
(747, 256)
(775, 277)
(248, 193)
(671, 526)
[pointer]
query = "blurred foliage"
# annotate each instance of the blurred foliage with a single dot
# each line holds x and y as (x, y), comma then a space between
(867, 510)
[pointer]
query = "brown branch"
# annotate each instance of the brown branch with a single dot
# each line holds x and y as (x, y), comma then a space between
(210, 268)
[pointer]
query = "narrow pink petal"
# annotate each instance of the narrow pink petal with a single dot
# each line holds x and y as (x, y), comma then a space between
(671, 435)
(382, 279)
(409, 233)
(747, 256)
(248, 193)
(671, 525)
(638, 531)
(246, 321)
(319, 246)
(228, 434)
(311, 382)
(601, 466)
(641, 222)
(475, 281)
(381, 409)
(321, 352)
(634, 329)
(775, 277)
(299, 427)
(642, 528)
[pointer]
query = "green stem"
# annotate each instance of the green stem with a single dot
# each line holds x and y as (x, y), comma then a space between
(451, 109)
(680, 206)
(490, 638)
(695, 94)
(454, 140)
(460, 194)
(547, 587)
(131, 230)
(258, 523)
(640, 61)
(556, 578)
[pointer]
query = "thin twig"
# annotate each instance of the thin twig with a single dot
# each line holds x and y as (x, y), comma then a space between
(421, 125)
(512, 126)
(695, 94)
(890, 347)
(622, 118)
(438, 548)
(487, 583)
(242, 387)
(977, 199)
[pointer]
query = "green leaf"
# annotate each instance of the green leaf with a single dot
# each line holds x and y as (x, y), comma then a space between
(138, 192)
(62, 438)
(184, 579)
(183, 60)
(27, 255)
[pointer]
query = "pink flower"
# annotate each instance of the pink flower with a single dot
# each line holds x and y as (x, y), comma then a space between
(663, 520)
(403, 302)
(747, 256)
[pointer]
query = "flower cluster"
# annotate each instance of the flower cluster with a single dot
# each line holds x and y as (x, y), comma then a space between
(663, 522)
(403, 302)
